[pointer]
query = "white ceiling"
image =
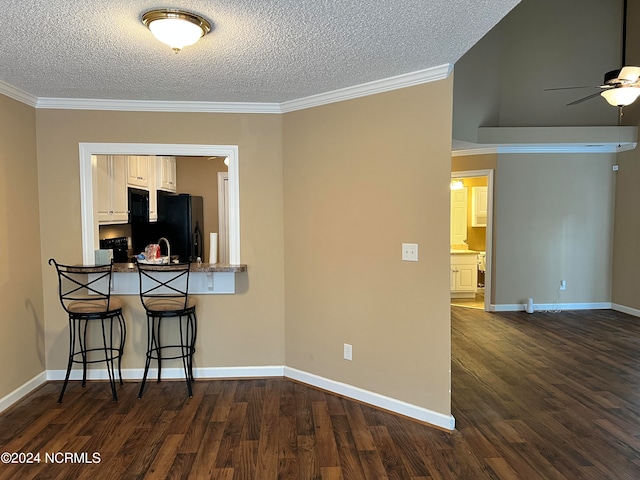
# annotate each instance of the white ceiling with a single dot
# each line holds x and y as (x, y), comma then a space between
(259, 50)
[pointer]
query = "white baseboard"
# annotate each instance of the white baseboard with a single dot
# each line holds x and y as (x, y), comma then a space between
(628, 310)
(550, 307)
(21, 391)
(440, 420)
(446, 422)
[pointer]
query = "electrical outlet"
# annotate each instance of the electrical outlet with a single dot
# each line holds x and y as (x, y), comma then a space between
(348, 352)
(410, 252)
(563, 284)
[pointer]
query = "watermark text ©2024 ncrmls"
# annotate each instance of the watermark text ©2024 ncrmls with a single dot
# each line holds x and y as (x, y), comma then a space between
(50, 457)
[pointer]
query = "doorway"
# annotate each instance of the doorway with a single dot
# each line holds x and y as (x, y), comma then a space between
(471, 238)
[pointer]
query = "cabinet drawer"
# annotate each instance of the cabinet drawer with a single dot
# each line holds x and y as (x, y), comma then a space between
(464, 259)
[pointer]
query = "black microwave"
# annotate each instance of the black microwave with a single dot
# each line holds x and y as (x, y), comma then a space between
(138, 205)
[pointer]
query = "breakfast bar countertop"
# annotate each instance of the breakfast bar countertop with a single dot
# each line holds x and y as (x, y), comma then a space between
(203, 267)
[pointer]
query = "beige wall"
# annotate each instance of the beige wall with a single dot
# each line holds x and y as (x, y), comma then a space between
(626, 256)
(21, 307)
(474, 162)
(233, 330)
(554, 221)
(360, 178)
(340, 193)
(199, 176)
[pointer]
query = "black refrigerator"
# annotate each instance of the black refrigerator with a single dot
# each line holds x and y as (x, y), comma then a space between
(180, 220)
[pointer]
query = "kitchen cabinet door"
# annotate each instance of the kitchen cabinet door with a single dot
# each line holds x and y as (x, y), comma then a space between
(102, 188)
(479, 202)
(464, 275)
(138, 171)
(112, 189)
(166, 173)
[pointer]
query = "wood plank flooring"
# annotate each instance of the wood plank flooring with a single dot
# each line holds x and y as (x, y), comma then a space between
(542, 396)
(549, 395)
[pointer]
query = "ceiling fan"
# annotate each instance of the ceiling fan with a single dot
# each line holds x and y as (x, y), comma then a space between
(620, 87)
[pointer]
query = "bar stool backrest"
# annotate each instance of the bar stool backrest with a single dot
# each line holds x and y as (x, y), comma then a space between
(164, 287)
(85, 290)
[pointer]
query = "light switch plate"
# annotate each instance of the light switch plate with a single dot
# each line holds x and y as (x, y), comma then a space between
(410, 252)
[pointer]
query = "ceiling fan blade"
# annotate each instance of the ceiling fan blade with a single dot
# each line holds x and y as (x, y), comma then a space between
(629, 74)
(583, 99)
(568, 88)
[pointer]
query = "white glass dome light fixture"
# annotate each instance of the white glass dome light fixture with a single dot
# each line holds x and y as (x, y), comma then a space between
(176, 28)
(621, 96)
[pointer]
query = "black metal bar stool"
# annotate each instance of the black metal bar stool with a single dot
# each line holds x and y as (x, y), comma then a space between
(85, 294)
(164, 295)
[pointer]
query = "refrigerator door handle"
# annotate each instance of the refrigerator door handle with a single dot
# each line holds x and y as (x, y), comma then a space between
(197, 236)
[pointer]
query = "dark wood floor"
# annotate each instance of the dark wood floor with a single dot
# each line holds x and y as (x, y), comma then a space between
(542, 396)
(548, 395)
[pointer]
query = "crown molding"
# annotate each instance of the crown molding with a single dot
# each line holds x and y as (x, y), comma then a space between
(17, 94)
(378, 86)
(393, 83)
(156, 106)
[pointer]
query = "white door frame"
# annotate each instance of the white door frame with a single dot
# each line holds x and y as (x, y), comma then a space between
(488, 273)
(88, 176)
(223, 217)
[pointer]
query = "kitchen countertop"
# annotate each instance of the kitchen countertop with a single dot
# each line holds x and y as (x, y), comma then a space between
(461, 251)
(203, 267)
(208, 278)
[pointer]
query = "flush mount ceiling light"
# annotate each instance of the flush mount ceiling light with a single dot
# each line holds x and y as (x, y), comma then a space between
(176, 28)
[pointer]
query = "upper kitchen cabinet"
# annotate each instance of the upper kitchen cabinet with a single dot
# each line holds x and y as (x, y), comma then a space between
(479, 206)
(112, 189)
(138, 170)
(166, 173)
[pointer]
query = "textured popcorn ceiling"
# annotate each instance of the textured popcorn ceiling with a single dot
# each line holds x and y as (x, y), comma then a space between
(258, 51)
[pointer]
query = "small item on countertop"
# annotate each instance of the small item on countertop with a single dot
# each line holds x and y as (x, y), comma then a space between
(213, 247)
(103, 256)
(152, 251)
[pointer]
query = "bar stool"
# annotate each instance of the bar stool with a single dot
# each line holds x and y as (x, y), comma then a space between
(85, 295)
(164, 295)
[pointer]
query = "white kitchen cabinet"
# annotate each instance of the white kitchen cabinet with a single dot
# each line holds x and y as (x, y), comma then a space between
(464, 275)
(479, 202)
(112, 189)
(138, 169)
(166, 173)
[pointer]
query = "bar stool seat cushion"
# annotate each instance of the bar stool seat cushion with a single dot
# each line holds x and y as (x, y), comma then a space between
(94, 305)
(169, 304)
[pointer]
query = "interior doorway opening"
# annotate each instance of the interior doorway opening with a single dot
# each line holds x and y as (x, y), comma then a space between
(471, 239)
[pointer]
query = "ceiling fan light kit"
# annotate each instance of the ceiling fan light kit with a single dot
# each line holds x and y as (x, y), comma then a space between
(621, 96)
(176, 28)
(621, 87)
